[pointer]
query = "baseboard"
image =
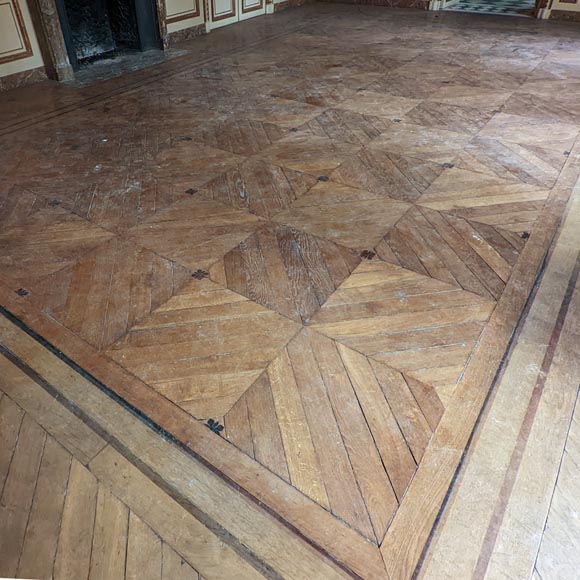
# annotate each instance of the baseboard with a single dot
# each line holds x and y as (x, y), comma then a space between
(420, 4)
(20, 79)
(186, 34)
(290, 4)
(567, 15)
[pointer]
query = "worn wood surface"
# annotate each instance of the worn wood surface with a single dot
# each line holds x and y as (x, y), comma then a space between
(321, 251)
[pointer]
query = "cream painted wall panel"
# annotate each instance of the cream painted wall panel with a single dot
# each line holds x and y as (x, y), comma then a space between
(11, 41)
(565, 6)
(7, 36)
(180, 7)
(182, 14)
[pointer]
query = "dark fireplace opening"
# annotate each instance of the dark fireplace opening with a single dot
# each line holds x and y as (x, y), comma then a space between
(95, 29)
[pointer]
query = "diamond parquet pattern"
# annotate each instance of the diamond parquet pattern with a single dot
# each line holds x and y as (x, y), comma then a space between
(49, 240)
(413, 323)
(195, 233)
(299, 238)
(107, 292)
(474, 256)
(287, 270)
(204, 347)
(345, 430)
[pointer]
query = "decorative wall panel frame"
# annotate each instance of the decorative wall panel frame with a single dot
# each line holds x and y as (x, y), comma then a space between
(25, 47)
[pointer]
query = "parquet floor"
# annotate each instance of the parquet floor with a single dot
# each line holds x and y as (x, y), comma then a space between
(303, 256)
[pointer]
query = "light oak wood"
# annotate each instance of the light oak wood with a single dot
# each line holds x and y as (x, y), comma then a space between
(69, 430)
(73, 556)
(108, 555)
(371, 199)
(40, 541)
(18, 493)
(144, 556)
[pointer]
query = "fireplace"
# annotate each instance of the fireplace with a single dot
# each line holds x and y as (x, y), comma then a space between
(95, 29)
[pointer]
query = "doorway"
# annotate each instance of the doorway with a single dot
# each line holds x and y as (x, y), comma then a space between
(95, 29)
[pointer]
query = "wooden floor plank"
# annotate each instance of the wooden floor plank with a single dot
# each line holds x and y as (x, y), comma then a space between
(182, 531)
(109, 551)
(175, 568)
(529, 414)
(10, 420)
(354, 183)
(70, 431)
(18, 494)
(40, 541)
(144, 555)
(73, 555)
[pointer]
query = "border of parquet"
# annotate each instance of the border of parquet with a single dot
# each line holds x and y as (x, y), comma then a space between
(409, 532)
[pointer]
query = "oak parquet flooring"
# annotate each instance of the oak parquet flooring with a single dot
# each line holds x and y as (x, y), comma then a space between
(368, 102)
(347, 126)
(379, 171)
(18, 204)
(288, 270)
(350, 217)
(241, 136)
(209, 345)
(529, 164)
(198, 163)
(258, 187)
(436, 145)
(531, 132)
(122, 202)
(545, 102)
(283, 112)
(459, 188)
(67, 500)
(195, 233)
(475, 257)
(49, 240)
(308, 153)
(345, 431)
(448, 117)
(108, 291)
(469, 96)
(315, 92)
(384, 312)
(343, 144)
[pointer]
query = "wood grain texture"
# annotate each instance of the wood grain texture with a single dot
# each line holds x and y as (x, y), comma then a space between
(474, 256)
(47, 241)
(387, 312)
(115, 550)
(348, 216)
(338, 427)
(40, 541)
(18, 493)
(189, 159)
(258, 187)
(287, 270)
(73, 556)
(108, 291)
(387, 173)
(201, 232)
(73, 434)
(215, 344)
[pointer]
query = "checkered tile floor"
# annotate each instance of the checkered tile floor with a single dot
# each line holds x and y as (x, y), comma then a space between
(508, 7)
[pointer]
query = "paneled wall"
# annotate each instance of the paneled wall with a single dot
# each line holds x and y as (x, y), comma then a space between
(183, 14)
(19, 49)
(566, 10)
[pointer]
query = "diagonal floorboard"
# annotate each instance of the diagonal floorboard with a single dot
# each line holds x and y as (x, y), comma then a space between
(303, 258)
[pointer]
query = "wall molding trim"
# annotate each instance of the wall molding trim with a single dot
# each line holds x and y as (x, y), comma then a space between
(26, 47)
